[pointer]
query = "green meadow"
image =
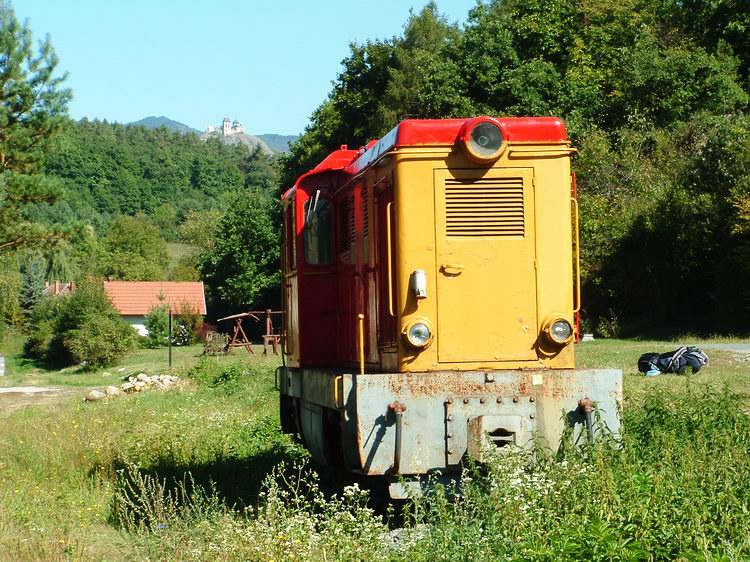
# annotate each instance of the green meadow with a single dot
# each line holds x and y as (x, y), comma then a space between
(204, 473)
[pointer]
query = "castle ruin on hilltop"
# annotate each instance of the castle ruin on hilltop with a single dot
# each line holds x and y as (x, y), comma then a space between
(227, 128)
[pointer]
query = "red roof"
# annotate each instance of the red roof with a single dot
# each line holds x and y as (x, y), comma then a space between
(137, 298)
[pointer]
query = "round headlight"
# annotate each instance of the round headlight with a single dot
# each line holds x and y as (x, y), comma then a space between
(561, 331)
(483, 139)
(486, 139)
(558, 330)
(418, 334)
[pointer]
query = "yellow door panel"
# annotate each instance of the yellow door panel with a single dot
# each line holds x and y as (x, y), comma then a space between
(485, 259)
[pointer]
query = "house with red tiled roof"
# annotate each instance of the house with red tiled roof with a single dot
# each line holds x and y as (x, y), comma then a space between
(135, 299)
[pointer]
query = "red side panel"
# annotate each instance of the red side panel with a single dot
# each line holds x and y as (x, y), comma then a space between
(349, 277)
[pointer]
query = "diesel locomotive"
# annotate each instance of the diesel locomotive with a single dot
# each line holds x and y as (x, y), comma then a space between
(430, 287)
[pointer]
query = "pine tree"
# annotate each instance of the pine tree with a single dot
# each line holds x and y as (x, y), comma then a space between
(33, 108)
(32, 287)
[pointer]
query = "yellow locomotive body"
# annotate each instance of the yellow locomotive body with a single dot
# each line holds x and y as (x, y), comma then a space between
(441, 316)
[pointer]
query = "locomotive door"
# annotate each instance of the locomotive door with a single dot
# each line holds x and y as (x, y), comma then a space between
(385, 260)
(485, 260)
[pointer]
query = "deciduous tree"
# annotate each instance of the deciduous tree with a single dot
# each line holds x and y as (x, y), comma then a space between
(134, 250)
(242, 268)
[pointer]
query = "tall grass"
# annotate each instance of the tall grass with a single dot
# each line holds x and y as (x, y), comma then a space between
(205, 474)
(675, 488)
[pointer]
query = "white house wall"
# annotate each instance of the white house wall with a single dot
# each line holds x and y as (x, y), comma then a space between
(138, 322)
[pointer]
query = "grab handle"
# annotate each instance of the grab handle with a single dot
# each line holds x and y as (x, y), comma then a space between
(452, 266)
(390, 258)
(577, 307)
(361, 323)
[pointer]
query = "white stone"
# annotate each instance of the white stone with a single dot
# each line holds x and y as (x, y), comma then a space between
(112, 391)
(94, 395)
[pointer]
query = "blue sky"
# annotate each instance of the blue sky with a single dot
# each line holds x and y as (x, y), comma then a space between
(267, 64)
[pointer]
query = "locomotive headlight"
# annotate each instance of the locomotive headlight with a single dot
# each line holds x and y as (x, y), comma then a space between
(558, 330)
(483, 139)
(418, 333)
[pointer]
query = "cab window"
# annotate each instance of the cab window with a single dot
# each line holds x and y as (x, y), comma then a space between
(318, 231)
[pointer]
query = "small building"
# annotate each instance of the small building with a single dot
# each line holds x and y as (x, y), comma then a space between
(59, 288)
(227, 128)
(135, 299)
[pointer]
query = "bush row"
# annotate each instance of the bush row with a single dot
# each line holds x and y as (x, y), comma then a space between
(80, 328)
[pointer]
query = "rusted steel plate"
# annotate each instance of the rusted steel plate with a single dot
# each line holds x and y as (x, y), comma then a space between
(441, 405)
(445, 411)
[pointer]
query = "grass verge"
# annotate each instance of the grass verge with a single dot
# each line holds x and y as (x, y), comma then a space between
(205, 474)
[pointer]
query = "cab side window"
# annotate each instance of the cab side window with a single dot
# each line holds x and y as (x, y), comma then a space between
(318, 231)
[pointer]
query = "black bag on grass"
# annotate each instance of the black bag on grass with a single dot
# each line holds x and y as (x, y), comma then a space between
(676, 361)
(647, 362)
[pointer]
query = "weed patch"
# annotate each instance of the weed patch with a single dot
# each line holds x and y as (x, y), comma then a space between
(142, 502)
(674, 488)
(204, 473)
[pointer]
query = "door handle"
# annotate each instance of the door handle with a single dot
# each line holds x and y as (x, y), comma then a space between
(454, 266)
(577, 294)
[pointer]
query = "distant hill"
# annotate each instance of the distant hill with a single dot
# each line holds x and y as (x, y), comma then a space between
(156, 122)
(269, 143)
(279, 143)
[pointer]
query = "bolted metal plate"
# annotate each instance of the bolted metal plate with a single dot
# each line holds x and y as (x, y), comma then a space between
(440, 406)
(448, 412)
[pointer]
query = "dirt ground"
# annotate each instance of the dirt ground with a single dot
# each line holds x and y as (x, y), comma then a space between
(15, 398)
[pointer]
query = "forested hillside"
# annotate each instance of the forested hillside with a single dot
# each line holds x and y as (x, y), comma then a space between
(124, 193)
(109, 169)
(154, 122)
(654, 93)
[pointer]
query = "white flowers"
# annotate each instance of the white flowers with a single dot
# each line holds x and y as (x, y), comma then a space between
(352, 491)
(527, 489)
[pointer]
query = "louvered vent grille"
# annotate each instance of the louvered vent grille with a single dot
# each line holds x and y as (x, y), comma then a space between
(365, 213)
(484, 207)
(351, 226)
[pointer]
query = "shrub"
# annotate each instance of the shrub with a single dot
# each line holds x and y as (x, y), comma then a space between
(101, 341)
(82, 327)
(205, 329)
(157, 324)
(187, 327)
(227, 377)
(42, 329)
(10, 285)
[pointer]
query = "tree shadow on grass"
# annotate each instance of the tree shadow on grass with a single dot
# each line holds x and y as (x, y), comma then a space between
(235, 482)
(25, 364)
